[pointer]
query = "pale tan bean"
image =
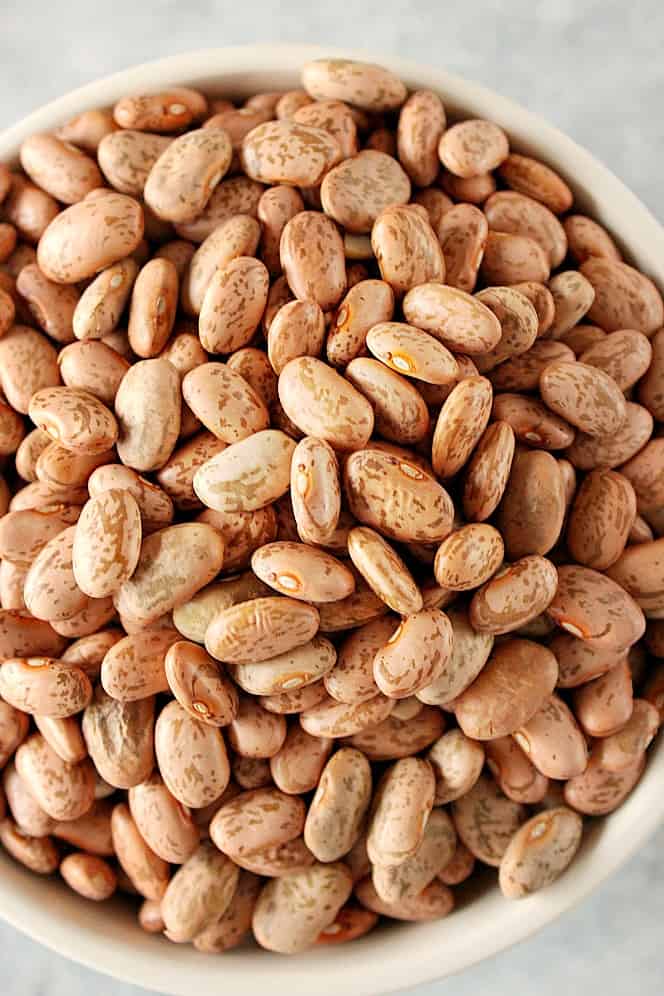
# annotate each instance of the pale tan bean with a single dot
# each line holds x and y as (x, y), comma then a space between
(486, 820)
(298, 700)
(488, 471)
(182, 179)
(169, 110)
(165, 824)
(296, 768)
(365, 305)
(64, 736)
(64, 501)
(291, 912)
(510, 259)
(280, 860)
(236, 196)
(532, 510)
(405, 881)
(77, 243)
(45, 687)
(624, 355)
(604, 705)
(179, 252)
(518, 322)
(355, 192)
(508, 691)
(254, 366)
(107, 543)
(233, 304)
(361, 84)
(469, 190)
(461, 421)
(237, 122)
(119, 736)
(312, 258)
(294, 669)
(29, 209)
(153, 305)
(579, 661)
(59, 168)
(416, 654)
(421, 125)
(400, 413)
(323, 404)
(517, 214)
(522, 372)
(396, 738)
(52, 305)
(39, 854)
(573, 295)
(176, 476)
(248, 475)
(593, 607)
(470, 651)
(174, 564)
(601, 518)
(433, 903)
(98, 310)
(314, 490)
(644, 472)
(87, 129)
(624, 297)
(410, 351)
(242, 533)
(621, 750)
(542, 301)
(127, 156)
(93, 367)
(28, 364)
(639, 572)
(518, 594)
(199, 686)
(24, 533)
(260, 629)
(457, 763)
(607, 451)
(133, 668)
(298, 329)
(155, 505)
(469, 557)
(192, 618)
(88, 875)
(191, 756)
(532, 177)
(230, 928)
(65, 791)
(338, 719)
(21, 634)
(458, 320)
(351, 680)
(147, 872)
(334, 117)
(351, 922)
(472, 148)
(28, 815)
(74, 419)
(236, 237)
(12, 581)
(553, 741)
(582, 337)
(597, 792)
(288, 152)
(50, 589)
(255, 733)
(147, 406)
(587, 239)
(276, 207)
(540, 852)
(96, 613)
(401, 808)
(406, 248)
(463, 233)
(460, 868)
(224, 402)
(338, 808)
(517, 777)
(60, 467)
(384, 571)
(255, 820)
(532, 421)
(397, 498)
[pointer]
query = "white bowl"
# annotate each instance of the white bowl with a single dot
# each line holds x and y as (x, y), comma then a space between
(107, 937)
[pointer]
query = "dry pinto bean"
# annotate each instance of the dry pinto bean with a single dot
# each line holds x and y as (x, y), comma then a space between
(624, 355)
(256, 369)
(39, 854)
(235, 238)
(455, 318)
(93, 367)
(468, 557)
(421, 125)
(582, 337)
(98, 309)
(22, 634)
(86, 130)
(227, 930)
(573, 295)
(639, 533)
(365, 305)
(182, 179)
(133, 667)
(59, 168)
(401, 808)
(199, 686)
(12, 430)
(28, 364)
(351, 680)
(224, 402)
(29, 209)
(517, 777)
(119, 736)
(155, 506)
(470, 651)
(149, 917)
(531, 514)
(249, 773)
(415, 655)
(579, 661)
(7, 312)
(237, 122)
(248, 475)
(587, 238)
(461, 422)
(65, 791)
(174, 563)
(601, 518)
(591, 606)
(518, 322)
(645, 473)
(518, 594)
(242, 533)
(260, 629)
(488, 471)
(472, 148)
(153, 305)
(96, 612)
(432, 903)
(288, 152)
(312, 257)
(302, 572)
(315, 490)
(587, 452)
(508, 691)
(522, 372)
(297, 766)
(24, 533)
(60, 467)
(169, 110)
(459, 868)
(400, 413)
(147, 406)
(30, 818)
(127, 156)
(553, 741)
(297, 700)
(486, 820)
(597, 791)
(457, 763)
(517, 214)
(624, 297)
(43, 686)
(621, 750)
(50, 589)
(334, 117)
(165, 825)
(361, 84)
(90, 876)
(276, 207)
(107, 543)
(64, 736)
(532, 421)
(336, 814)
(534, 178)
(12, 581)
(330, 718)
(639, 571)
(406, 248)
(651, 387)
(233, 303)
(351, 922)
(410, 351)
(255, 820)
(236, 196)
(469, 190)
(604, 705)
(293, 669)
(384, 571)
(510, 259)
(298, 329)
(395, 738)
(540, 852)
(148, 873)
(192, 617)
(463, 233)
(75, 419)
(191, 756)
(395, 883)
(323, 404)
(176, 476)
(355, 192)
(52, 305)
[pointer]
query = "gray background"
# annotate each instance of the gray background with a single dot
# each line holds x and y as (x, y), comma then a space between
(592, 67)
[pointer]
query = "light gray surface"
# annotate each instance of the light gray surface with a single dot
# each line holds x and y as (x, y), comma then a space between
(593, 68)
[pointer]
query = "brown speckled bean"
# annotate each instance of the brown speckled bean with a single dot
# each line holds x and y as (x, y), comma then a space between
(458, 320)
(65, 791)
(540, 852)
(624, 355)
(88, 875)
(330, 718)
(165, 825)
(488, 471)
(289, 152)
(531, 513)
(457, 763)
(298, 329)
(597, 792)
(468, 557)
(415, 655)
(624, 297)
(486, 820)
(604, 705)
(515, 596)
(355, 192)
(338, 808)
(397, 738)
(553, 741)
(248, 475)
(591, 606)
(621, 750)
(28, 365)
(107, 543)
(224, 402)
(39, 854)
(118, 736)
(45, 687)
(365, 305)
(403, 802)
(233, 303)
(510, 259)
(406, 248)
(472, 148)
(601, 518)
(147, 406)
(361, 84)
(191, 756)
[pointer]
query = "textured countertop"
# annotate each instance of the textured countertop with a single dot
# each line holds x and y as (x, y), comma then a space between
(593, 68)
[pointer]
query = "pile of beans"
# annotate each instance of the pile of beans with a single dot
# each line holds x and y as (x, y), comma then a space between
(333, 482)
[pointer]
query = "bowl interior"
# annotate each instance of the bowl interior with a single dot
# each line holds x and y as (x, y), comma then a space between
(107, 937)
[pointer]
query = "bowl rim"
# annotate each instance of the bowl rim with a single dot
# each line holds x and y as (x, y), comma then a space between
(418, 953)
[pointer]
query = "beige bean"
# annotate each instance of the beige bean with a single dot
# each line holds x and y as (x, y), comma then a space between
(518, 322)
(406, 248)
(338, 808)
(29, 209)
(127, 156)
(165, 824)
(472, 148)
(236, 196)
(107, 543)
(174, 564)
(334, 117)
(421, 125)
(230, 928)
(582, 336)
(182, 179)
(28, 815)
(624, 355)
(74, 419)
(298, 700)
(591, 606)
(254, 366)
(517, 214)
(118, 736)
(415, 655)
(469, 557)
(169, 110)
(469, 190)
(242, 533)
(597, 792)
(153, 305)
(510, 259)
(149, 917)
(191, 756)
(64, 736)
(361, 84)
(296, 768)
(410, 351)
(176, 476)
(461, 422)
(154, 504)
(276, 207)
(623, 749)
(234, 301)
(351, 922)
(540, 852)
(179, 252)
(14, 726)
(457, 763)
(88, 875)
(65, 791)
(401, 808)
(573, 296)
(488, 471)
(522, 372)
(21, 634)
(39, 854)
(553, 741)
(458, 320)
(248, 475)
(470, 651)
(255, 820)
(400, 413)
(298, 329)
(323, 404)
(639, 571)
(433, 903)
(288, 152)
(192, 618)
(651, 387)
(531, 513)
(365, 305)
(98, 310)
(396, 883)
(45, 687)
(541, 299)
(199, 686)
(147, 872)
(93, 367)
(514, 597)
(60, 467)
(249, 773)
(603, 706)
(314, 490)
(587, 239)
(486, 820)
(532, 421)
(644, 472)
(236, 237)
(133, 667)
(224, 402)
(462, 231)
(601, 518)
(28, 453)
(294, 669)
(12, 581)
(384, 570)
(580, 661)
(260, 629)
(87, 129)
(624, 297)
(397, 738)
(147, 406)
(397, 498)
(517, 777)
(330, 718)
(28, 365)
(50, 589)
(355, 192)
(59, 168)
(460, 868)
(12, 430)
(532, 177)
(312, 258)
(96, 613)
(24, 533)
(237, 122)
(351, 680)
(52, 305)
